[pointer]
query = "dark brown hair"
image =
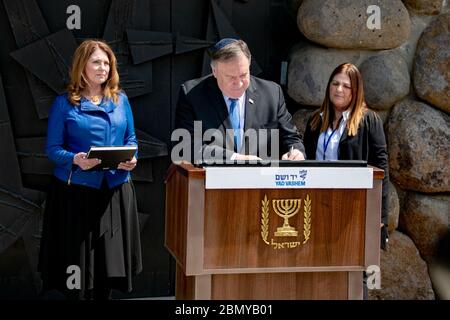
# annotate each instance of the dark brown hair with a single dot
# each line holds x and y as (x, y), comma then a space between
(357, 105)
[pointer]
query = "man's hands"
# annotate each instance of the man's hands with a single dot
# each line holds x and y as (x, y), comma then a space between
(294, 154)
(85, 164)
(246, 157)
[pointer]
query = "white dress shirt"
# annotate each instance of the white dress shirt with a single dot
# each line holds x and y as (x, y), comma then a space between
(328, 142)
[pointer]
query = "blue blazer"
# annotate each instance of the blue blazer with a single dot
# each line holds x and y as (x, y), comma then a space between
(75, 128)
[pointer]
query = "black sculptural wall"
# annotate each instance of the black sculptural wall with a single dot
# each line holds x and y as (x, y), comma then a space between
(159, 45)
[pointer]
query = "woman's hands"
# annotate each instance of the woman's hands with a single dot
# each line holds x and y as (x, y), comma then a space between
(128, 165)
(85, 164)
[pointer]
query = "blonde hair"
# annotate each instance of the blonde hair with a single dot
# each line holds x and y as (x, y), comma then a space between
(78, 80)
(357, 105)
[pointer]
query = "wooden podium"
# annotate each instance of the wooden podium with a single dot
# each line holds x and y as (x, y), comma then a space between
(248, 243)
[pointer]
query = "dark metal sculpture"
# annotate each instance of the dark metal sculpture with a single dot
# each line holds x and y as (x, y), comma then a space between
(49, 58)
(159, 45)
(20, 208)
(219, 26)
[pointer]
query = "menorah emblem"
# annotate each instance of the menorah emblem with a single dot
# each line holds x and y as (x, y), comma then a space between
(286, 208)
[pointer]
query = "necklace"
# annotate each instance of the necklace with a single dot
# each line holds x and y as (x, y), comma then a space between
(96, 99)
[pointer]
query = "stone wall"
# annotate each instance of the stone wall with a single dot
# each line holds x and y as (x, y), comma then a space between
(406, 69)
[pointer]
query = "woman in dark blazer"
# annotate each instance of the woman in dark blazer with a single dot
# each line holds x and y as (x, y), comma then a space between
(345, 129)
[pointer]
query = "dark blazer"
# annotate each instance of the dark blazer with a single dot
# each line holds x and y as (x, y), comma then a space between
(368, 144)
(265, 108)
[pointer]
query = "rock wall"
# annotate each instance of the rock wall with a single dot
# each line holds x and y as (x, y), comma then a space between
(405, 65)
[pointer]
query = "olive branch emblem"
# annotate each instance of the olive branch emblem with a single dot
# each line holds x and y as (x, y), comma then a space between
(265, 219)
(307, 218)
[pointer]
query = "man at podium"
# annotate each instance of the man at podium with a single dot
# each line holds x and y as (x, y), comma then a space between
(231, 115)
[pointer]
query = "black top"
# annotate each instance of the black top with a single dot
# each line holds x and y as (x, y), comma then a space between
(368, 144)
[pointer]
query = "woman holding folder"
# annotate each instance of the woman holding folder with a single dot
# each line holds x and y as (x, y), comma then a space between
(90, 240)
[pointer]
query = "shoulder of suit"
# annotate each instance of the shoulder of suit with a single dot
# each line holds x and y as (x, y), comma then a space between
(372, 119)
(263, 83)
(315, 113)
(63, 102)
(371, 115)
(62, 97)
(122, 95)
(194, 83)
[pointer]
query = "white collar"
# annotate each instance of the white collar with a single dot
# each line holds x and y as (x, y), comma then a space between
(345, 115)
(240, 99)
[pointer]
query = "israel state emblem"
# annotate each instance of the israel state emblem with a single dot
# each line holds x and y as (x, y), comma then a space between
(286, 209)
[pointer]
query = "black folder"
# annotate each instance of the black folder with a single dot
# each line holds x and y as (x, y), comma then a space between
(111, 156)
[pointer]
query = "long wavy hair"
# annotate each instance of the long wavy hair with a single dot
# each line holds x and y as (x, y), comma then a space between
(357, 105)
(78, 80)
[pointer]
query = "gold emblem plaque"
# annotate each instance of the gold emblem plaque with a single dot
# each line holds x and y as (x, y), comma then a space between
(286, 209)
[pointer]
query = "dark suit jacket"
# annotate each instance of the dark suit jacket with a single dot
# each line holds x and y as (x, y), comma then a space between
(265, 108)
(368, 144)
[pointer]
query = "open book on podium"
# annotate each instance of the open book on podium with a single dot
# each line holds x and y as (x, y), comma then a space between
(273, 232)
(111, 156)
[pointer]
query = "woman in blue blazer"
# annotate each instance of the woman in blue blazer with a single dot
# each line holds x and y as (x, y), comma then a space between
(90, 240)
(345, 129)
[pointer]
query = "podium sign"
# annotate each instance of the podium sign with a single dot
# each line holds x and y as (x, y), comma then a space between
(234, 241)
(276, 177)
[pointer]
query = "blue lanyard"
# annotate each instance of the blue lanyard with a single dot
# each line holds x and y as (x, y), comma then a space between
(327, 141)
